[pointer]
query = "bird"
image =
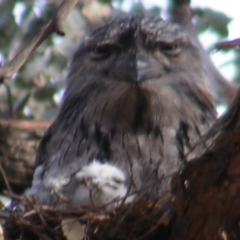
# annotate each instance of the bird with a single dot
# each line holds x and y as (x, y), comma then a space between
(137, 101)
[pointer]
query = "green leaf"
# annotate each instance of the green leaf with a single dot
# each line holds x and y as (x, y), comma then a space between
(215, 20)
(105, 1)
(45, 93)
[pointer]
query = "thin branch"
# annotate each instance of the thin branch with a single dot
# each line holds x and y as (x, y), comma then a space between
(5, 179)
(24, 124)
(228, 44)
(54, 25)
(10, 101)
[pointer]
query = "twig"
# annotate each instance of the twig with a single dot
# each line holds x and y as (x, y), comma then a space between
(54, 25)
(86, 183)
(24, 124)
(228, 44)
(10, 102)
(5, 179)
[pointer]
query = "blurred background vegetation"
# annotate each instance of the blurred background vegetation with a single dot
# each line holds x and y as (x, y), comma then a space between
(35, 91)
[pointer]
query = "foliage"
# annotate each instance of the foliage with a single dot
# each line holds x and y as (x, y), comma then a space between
(216, 21)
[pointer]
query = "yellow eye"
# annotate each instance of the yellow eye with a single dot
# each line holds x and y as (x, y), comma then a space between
(170, 48)
(118, 181)
(100, 52)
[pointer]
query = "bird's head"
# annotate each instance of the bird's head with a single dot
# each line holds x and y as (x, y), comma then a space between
(134, 50)
(126, 74)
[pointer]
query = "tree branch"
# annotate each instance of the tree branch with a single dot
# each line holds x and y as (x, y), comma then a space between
(54, 25)
(18, 144)
(228, 44)
(207, 190)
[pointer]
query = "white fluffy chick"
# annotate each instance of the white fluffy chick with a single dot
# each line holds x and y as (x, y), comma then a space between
(104, 183)
(96, 183)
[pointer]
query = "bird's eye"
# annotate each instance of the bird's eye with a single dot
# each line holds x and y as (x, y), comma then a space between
(118, 181)
(101, 52)
(171, 49)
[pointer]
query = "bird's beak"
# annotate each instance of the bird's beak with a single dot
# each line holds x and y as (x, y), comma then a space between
(140, 66)
(134, 69)
(146, 67)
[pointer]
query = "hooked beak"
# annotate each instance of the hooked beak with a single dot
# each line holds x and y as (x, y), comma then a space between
(137, 68)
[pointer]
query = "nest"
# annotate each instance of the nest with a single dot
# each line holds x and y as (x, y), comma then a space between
(138, 220)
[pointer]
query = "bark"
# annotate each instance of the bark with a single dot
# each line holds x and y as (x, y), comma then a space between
(18, 144)
(208, 190)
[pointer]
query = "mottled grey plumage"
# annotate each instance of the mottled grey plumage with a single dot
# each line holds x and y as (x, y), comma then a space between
(137, 97)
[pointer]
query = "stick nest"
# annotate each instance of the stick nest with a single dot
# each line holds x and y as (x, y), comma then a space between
(138, 220)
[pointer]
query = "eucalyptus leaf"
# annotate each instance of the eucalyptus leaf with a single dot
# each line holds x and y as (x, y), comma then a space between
(217, 21)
